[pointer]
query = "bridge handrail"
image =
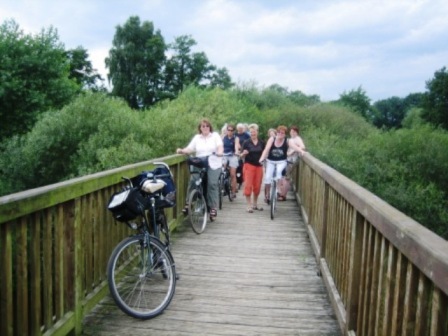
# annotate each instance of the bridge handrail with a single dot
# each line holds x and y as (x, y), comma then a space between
(385, 272)
(54, 245)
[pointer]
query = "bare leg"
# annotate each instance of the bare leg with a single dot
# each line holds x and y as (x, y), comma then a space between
(233, 179)
(267, 191)
(255, 200)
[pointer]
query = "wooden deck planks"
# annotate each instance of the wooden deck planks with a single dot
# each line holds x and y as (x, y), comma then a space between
(245, 275)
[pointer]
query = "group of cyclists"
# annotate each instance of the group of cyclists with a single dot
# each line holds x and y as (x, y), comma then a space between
(242, 148)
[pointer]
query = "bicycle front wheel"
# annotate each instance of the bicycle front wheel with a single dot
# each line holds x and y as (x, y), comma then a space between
(141, 276)
(273, 198)
(197, 211)
(221, 190)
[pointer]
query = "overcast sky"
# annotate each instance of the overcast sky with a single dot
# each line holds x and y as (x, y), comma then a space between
(322, 47)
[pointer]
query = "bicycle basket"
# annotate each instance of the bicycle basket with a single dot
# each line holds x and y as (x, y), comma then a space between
(126, 205)
(162, 187)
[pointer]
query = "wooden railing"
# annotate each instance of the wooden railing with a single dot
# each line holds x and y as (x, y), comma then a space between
(385, 273)
(55, 242)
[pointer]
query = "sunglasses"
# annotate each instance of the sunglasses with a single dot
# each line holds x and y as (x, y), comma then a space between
(205, 126)
(230, 130)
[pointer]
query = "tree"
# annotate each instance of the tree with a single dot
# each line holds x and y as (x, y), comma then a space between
(34, 74)
(220, 78)
(435, 100)
(413, 100)
(358, 101)
(185, 67)
(389, 113)
(136, 63)
(302, 99)
(81, 70)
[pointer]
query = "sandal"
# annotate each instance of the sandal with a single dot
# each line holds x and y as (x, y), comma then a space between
(250, 210)
(266, 200)
(281, 198)
(213, 213)
(185, 209)
(257, 208)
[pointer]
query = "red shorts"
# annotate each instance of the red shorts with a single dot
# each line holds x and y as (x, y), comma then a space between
(253, 176)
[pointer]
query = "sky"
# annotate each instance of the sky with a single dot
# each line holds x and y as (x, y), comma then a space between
(319, 47)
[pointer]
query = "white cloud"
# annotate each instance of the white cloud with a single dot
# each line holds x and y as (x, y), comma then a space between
(389, 47)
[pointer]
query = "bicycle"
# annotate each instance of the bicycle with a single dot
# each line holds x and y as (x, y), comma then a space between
(274, 192)
(197, 203)
(224, 185)
(141, 271)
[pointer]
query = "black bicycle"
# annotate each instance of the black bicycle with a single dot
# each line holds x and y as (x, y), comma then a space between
(224, 185)
(197, 204)
(197, 207)
(141, 270)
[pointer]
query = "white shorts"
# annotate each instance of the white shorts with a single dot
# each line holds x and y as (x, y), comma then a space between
(270, 165)
(232, 160)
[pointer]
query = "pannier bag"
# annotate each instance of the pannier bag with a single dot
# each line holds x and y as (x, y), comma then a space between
(127, 205)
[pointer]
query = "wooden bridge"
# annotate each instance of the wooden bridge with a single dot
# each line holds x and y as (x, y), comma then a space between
(245, 275)
(381, 272)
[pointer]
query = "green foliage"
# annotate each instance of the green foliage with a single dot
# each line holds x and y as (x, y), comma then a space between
(357, 101)
(407, 168)
(53, 150)
(390, 113)
(81, 70)
(142, 74)
(96, 132)
(184, 67)
(34, 77)
(135, 63)
(413, 118)
(435, 101)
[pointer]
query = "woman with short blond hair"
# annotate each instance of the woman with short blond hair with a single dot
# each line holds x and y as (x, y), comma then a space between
(252, 169)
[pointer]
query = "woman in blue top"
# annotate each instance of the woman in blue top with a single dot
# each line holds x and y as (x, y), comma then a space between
(229, 156)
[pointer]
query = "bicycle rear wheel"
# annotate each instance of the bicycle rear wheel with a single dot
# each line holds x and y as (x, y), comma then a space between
(227, 189)
(273, 198)
(197, 211)
(141, 276)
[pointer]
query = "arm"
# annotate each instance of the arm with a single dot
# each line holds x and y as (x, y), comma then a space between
(265, 153)
(185, 150)
(244, 150)
(298, 149)
(219, 146)
(237, 145)
(189, 149)
(299, 142)
(220, 150)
